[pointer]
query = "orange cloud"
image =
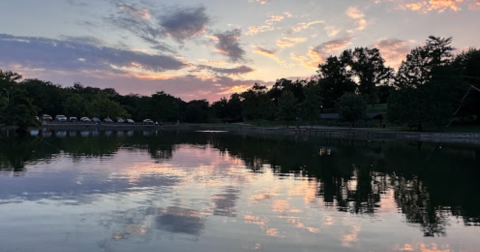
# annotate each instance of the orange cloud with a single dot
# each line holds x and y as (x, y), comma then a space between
(440, 5)
(289, 42)
(317, 55)
(416, 6)
(235, 89)
(311, 60)
(252, 30)
(302, 26)
(425, 248)
(359, 16)
(355, 13)
(274, 19)
(332, 31)
(269, 53)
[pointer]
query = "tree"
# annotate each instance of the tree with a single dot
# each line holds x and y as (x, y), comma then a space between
(281, 85)
(417, 69)
(235, 107)
(312, 105)
(76, 105)
(367, 66)
(426, 86)
(287, 107)
(468, 63)
(101, 106)
(257, 104)
(197, 111)
(351, 108)
(9, 76)
(46, 96)
(220, 108)
(335, 80)
(163, 107)
(17, 109)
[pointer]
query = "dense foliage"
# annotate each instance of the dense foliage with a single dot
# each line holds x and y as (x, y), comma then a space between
(427, 90)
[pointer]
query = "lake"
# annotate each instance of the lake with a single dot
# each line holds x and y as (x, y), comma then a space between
(216, 191)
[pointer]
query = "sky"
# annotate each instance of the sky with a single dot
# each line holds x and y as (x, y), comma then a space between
(208, 49)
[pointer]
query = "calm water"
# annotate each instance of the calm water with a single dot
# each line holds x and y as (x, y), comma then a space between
(205, 191)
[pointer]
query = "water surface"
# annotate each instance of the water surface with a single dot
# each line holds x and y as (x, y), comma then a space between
(216, 191)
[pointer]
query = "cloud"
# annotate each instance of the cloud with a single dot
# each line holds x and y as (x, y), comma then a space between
(268, 26)
(76, 3)
(302, 26)
(269, 53)
(393, 51)
(289, 42)
(474, 4)
(80, 53)
(332, 31)
(142, 13)
(442, 5)
(439, 5)
(213, 62)
(184, 24)
(227, 71)
(317, 54)
(355, 13)
(359, 16)
(227, 44)
(252, 30)
(274, 19)
(179, 24)
(260, 1)
(333, 45)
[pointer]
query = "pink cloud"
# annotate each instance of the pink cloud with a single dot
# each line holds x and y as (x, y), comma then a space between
(393, 51)
(317, 55)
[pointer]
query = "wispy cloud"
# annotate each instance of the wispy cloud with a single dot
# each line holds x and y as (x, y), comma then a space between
(358, 16)
(302, 26)
(76, 3)
(252, 30)
(332, 31)
(227, 44)
(79, 53)
(240, 70)
(440, 6)
(269, 53)
(289, 42)
(317, 54)
(260, 1)
(269, 24)
(142, 13)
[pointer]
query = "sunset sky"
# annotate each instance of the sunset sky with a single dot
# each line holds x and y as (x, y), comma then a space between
(196, 49)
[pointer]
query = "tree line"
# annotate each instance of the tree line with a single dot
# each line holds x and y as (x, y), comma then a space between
(427, 89)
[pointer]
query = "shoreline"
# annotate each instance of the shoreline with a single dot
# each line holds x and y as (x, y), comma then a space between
(324, 132)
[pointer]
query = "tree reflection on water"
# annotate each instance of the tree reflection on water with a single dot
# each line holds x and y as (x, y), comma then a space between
(429, 184)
